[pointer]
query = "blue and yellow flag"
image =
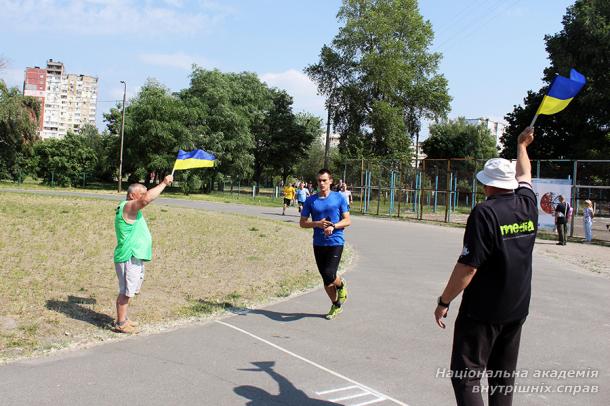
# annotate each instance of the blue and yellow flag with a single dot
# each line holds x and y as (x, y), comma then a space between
(194, 159)
(561, 93)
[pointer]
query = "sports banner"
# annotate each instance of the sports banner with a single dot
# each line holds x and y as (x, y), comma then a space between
(548, 192)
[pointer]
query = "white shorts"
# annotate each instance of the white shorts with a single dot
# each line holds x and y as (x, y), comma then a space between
(131, 276)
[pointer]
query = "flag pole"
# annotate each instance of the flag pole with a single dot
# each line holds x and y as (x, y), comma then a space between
(534, 120)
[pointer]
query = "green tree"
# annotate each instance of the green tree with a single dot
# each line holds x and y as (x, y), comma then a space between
(313, 160)
(460, 139)
(284, 137)
(106, 149)
(379, 77)
(225, 108)
(64, 160)
(19, 117)
(189, 182)
(156, 126)
(582, 130)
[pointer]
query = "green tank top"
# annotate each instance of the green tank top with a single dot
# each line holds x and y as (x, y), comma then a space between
(133, 240)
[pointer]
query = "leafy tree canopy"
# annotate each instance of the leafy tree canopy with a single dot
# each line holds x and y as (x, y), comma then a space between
(226, 106)
(379, 77)
(156, 126)
(64, 160)
(582, 130)
(284, 137)
(460, 139)
(18, 123)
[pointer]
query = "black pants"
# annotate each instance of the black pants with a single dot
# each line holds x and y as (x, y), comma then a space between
(327, 259)
(562, 231)
(480, 346)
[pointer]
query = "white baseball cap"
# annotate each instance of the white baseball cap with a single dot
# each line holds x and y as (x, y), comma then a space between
(500, 173)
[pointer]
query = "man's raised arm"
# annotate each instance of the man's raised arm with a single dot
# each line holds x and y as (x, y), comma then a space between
(150, 195)
(524, 167)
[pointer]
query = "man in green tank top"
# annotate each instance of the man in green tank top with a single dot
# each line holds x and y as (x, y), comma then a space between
(134, 247)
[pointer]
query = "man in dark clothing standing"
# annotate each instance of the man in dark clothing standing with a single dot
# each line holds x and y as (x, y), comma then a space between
(562, 217)
(494, 270)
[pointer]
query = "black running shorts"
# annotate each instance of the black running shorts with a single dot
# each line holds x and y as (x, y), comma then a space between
(327, 259)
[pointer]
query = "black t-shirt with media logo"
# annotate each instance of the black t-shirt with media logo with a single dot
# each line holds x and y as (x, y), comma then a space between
(499, 241)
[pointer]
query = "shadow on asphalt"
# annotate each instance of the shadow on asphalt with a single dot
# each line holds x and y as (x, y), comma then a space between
(284, 317)
(288, 393)
(76, 308)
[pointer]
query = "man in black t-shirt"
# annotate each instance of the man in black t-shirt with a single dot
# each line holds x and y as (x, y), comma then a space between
(495, 271)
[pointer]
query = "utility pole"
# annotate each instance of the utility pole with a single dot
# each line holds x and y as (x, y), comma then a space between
(122, 134)
(416, 151)
(327, 147)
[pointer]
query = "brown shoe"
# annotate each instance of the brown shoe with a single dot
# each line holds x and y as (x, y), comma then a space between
(133, 323)
(126, 328)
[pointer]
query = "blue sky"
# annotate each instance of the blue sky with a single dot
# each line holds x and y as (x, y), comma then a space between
(493, 50)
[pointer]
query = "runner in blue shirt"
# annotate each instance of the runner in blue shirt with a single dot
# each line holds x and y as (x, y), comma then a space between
(302, 195)
(329, 216)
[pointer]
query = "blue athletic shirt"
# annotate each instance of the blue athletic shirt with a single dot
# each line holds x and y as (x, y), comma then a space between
(302, 195)
(331, 208)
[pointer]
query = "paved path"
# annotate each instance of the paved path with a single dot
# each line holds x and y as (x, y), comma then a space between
(385, 348)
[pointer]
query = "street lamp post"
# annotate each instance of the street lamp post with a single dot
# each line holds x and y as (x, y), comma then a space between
(122, 133)
(327, 145)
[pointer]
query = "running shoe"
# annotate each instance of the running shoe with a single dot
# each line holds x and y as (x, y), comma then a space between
(334, 312)
(342, 293)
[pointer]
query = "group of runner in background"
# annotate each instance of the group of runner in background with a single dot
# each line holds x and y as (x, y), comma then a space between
(296, 193)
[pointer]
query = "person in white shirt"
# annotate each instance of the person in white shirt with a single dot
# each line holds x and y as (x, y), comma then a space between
(346, 193)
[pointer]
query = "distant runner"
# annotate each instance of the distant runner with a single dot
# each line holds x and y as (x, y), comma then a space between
(329, 216)
(302, 195)
(346, 194)
(288, 197)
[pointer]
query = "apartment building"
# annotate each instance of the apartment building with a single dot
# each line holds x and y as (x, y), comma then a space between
(36, 85)
(497, 128)
(68, 101)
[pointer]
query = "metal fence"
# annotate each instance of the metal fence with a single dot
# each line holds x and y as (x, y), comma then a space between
(445, 190)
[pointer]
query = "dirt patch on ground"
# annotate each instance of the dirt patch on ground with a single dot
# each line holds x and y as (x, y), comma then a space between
(59, 285)
(587, 257)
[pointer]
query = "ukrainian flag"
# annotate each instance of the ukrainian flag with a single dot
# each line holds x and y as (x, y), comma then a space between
(194, 159)
(561, 93)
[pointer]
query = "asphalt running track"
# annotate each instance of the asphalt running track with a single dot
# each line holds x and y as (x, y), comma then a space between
(384, 349)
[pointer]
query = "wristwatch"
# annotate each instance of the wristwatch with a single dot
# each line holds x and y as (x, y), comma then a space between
(441, 303)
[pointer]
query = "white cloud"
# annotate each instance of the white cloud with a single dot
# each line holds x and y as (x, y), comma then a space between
(300, 87)
(177, 60)
(110, 17)
(12, 77)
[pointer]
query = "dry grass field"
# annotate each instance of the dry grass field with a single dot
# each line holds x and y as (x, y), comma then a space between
(57, 279)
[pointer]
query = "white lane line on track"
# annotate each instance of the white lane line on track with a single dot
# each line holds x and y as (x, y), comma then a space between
(349, 394)
(357, 395)
(338, 375)
(336, 390)
(370, 402)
